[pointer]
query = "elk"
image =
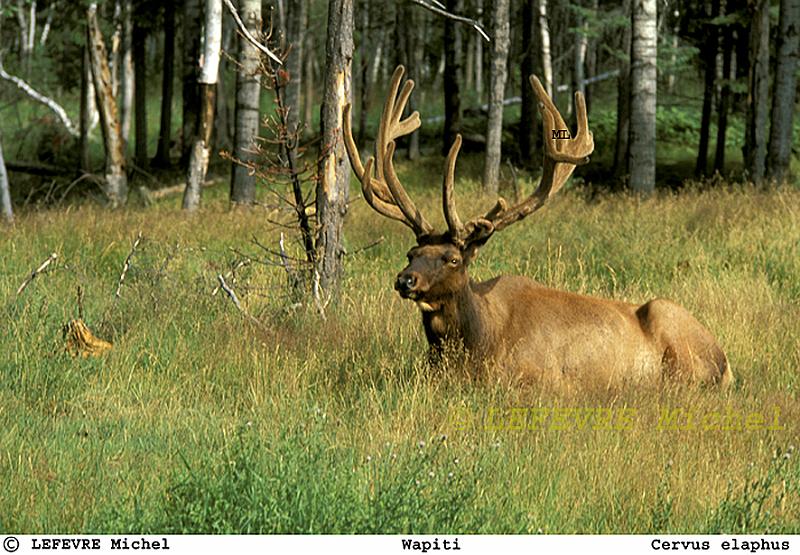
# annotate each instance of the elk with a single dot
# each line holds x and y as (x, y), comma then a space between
(512, 322)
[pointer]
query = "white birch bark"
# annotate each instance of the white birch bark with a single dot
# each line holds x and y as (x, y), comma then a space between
(248, 102)
(642, 149)
(547, 57)
(126, 77)
(209, 70)
(5, 195)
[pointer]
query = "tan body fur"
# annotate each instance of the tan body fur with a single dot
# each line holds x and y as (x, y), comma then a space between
(538, 333)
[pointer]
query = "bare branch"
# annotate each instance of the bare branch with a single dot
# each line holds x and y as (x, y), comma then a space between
(232, 272)
(232, 296)
(251, 39)
(436, 8)
(39, 97)
(42, 267)
(127, 264)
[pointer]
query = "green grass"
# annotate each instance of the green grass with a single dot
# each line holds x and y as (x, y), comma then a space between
(198, 421)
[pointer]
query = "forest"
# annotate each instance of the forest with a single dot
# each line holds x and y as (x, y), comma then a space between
(196, 275)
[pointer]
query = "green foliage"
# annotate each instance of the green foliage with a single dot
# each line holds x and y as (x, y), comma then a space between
(749, 509)
(198, 421)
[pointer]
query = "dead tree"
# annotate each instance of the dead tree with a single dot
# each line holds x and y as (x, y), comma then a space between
(116, 179)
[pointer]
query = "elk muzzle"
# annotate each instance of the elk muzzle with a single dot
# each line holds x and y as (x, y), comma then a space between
(407, 284)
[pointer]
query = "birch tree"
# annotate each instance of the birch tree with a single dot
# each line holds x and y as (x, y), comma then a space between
(126, 76)
(209, 70)
(547, 59)
(334, 169)
(248, 101)
(5, 195)
(642, 147)
(497, 87)
(780, 140)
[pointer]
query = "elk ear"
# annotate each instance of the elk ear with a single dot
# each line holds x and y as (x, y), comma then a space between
(481, 231)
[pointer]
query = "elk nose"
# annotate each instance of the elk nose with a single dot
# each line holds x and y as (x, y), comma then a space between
(405, 282)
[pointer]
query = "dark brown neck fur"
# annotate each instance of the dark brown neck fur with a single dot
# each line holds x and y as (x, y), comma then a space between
(457, 320)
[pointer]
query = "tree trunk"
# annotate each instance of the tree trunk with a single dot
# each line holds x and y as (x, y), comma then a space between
(168, 77)
(620, 168)
(126, 77)
(192, 35)
(116, 186)
(528, 111)
(478, 54)
(547, 60)
(222, 137)
(334, 168)
(140, 91)
(709, 58)
(642, 156)
(579, 54)
(209, 71)
(248, 105)
(6, 210)
(308, 78)
(724, 99)
(780, 140)
(755, 145)
(497, 87)
(116, 43)
(452, 91)
(591, 58)
(363, 73)
(87, 107)
(25, 39)
(295, 29)
(413, 59)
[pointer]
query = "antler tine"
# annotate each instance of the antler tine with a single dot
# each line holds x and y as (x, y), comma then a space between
(561, 156)
(418, 222)
(380, 206)
(379, 182)
(350, 144)
(448, 198)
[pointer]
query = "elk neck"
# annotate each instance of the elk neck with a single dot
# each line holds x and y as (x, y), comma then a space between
(457, 317)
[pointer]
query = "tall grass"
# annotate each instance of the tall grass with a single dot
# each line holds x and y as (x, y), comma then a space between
(198, 421)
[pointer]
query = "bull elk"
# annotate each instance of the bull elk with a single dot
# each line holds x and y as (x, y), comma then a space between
(512, 322)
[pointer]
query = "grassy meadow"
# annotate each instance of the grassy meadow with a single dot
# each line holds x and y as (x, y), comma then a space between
(199, 421)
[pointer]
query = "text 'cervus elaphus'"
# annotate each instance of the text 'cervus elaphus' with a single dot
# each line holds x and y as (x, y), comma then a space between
(512, 322)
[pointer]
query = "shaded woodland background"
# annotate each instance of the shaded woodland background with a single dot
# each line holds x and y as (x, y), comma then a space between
(676, 90)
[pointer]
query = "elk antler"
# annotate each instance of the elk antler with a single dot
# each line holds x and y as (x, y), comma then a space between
(561, 156)
(383, 190)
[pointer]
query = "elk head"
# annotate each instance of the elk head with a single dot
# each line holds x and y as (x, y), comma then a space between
(437, 265)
